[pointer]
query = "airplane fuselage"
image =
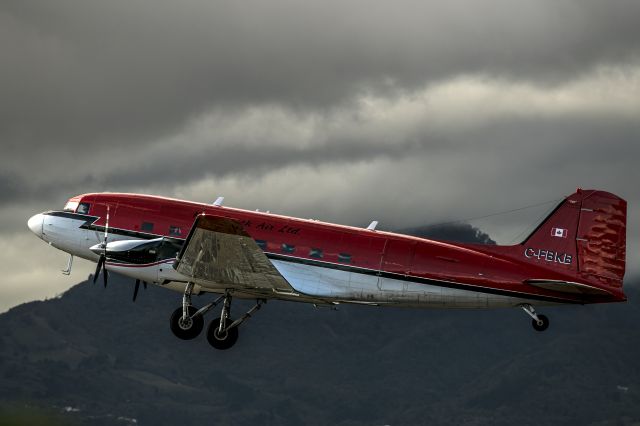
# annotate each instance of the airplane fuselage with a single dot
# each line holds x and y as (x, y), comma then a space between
(322, 261)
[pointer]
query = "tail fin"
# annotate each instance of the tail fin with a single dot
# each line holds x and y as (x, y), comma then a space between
(587, 234)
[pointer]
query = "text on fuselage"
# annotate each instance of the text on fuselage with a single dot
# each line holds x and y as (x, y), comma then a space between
(549, 256)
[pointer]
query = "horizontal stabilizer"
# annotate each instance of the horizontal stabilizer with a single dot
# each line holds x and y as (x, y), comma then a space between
(568, 287)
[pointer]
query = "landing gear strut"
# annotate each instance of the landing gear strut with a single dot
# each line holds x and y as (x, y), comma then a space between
(218, 333)
(186, 322)
(539, 322)
(222, 332)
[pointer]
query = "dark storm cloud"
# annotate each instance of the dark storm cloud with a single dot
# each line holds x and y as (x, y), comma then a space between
(78, 74)
(580, 144)
(161, 169)
(542, 156)
(505, 127)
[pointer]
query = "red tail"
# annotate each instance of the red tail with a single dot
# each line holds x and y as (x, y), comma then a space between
(585, 234)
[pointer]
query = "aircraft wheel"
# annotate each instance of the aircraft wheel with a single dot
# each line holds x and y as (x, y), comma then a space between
(189, 329)
(542, 325)
(221, 341)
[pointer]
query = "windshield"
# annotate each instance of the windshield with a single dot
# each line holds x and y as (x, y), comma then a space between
(71, 206)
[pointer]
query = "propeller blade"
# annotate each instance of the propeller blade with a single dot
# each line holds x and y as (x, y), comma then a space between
(106, 230)
(103, 257)
(98, 267)
(135, 290)
(105, 274)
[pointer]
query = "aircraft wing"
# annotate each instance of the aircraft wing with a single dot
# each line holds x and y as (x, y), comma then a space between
(218, 253)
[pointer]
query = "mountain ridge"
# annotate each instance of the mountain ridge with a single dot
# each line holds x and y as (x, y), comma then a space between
(95, 351)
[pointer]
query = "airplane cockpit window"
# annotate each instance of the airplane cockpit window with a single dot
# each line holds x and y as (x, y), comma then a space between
(83, 208)
(76, 207)
(71, 206)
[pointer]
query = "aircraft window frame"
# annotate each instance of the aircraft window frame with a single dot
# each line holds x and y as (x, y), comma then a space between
(316, 253)
(83, 208)
(146, 227)
(287, 248)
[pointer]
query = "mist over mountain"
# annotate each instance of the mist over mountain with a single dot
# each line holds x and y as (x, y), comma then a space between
(455, 232)
(97, 358)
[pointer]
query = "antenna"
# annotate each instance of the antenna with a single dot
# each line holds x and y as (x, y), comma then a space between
(218, 201)
(372, 225)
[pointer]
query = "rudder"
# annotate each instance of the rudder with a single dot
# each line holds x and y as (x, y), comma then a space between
(602, 238)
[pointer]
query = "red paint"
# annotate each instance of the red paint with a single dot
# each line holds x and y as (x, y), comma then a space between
(592, 252)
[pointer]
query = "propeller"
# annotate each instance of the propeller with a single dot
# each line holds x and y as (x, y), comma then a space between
(103, 256)
(137, 287)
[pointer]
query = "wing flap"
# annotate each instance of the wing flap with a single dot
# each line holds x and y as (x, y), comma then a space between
(218, 253)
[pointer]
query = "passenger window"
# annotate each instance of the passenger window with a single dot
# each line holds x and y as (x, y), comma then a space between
(288, 249)
(316, 253)
(344, 258)
(262, 244)
(175, 231)
(147, 227)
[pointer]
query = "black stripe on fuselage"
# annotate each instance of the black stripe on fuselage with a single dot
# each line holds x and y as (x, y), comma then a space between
(89, 220)
(127, 233)
(89, 225)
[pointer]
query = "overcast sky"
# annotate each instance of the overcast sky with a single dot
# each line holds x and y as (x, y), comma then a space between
(409, 112)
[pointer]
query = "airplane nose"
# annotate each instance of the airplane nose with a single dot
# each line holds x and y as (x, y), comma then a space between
(35, 224)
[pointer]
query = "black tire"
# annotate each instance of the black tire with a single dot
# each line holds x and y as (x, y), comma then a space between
(221, 342)
(543, 326)
(186, 331)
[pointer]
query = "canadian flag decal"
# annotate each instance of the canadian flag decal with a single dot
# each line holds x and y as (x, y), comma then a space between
(559, 232)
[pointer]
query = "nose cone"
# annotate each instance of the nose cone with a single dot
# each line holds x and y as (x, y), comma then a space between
(97, 249)
(35, 224)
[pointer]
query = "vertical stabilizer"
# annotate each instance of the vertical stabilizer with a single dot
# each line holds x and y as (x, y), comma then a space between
(585, 235)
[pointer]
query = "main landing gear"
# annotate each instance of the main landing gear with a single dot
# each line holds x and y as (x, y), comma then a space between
(539, 322)
(187, 322)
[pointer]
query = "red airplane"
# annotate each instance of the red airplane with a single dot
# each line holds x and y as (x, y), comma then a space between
(575, 256)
